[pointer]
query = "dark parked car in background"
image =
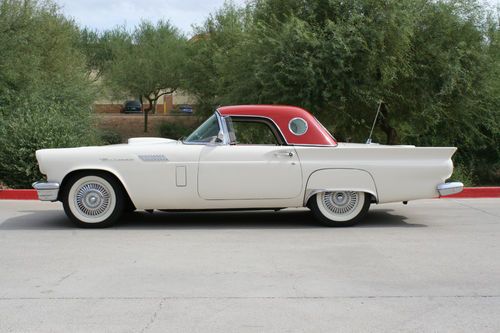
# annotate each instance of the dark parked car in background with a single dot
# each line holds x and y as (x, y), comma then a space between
(186, 108)
(132, 107)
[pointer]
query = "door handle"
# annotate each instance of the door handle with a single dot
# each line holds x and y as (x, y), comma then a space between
(286, 154)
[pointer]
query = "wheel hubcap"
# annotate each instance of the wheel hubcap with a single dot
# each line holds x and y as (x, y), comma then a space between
(341, 203)
(92, 199)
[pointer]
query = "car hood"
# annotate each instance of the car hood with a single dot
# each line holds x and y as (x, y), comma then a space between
(132, 144)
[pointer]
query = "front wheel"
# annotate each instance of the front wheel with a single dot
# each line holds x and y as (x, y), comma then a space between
(340, 209)
(93, 200)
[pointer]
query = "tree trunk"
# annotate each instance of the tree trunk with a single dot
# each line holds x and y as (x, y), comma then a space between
(153, 107)
(141, 99)
(392, 137)
(146, 113)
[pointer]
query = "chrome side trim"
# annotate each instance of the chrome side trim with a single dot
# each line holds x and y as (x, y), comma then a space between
(47, 191)
(312, 145)
(450, 188)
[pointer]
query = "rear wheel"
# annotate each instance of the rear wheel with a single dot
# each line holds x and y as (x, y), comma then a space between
(93, 200)
(341, 208)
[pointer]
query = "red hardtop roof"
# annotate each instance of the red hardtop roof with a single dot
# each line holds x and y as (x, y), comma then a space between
(281, 115)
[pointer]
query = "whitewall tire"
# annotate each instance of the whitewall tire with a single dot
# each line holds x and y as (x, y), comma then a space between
(93, 200)
(341, 208)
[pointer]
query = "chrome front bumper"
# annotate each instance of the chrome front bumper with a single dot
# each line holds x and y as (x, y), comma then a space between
(450, 188)
(47, 191)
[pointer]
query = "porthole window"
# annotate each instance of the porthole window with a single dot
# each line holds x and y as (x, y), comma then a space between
(297, 126)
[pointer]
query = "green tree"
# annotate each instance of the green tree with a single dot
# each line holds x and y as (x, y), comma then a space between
(434, 64)
(97, 49)
(146, 63)
(45, 94)
(39, 54)
(216, 72)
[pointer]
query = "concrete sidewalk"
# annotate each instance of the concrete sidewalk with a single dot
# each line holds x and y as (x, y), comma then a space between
(433, 265)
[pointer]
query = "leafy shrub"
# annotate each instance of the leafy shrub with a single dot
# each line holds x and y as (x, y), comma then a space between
(175, 130)
(45, 89)
(108, 137)
(463, 174)
(29, 127)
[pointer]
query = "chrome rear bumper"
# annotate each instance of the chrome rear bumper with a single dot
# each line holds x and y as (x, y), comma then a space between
(450, 188)
(47, 191)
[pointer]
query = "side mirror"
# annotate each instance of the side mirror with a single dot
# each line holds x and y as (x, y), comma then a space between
(220, 137)
(217, 139)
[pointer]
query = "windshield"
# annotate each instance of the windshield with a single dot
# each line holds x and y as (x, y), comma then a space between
(206, 132)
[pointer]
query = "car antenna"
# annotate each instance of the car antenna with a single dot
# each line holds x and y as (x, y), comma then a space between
(374, 122)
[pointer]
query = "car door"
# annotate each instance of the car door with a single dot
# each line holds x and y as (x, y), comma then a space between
(251, 168)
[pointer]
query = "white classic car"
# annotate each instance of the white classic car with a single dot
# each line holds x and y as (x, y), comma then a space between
(242, 157)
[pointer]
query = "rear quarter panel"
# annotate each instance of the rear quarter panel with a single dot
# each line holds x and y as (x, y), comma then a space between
(399, 173)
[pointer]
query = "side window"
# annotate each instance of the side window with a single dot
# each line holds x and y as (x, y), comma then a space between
(253, 131)
(206, 132)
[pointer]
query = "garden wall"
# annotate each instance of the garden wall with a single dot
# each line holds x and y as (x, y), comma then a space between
(129, 126)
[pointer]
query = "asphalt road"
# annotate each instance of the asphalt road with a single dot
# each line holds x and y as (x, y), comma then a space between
(433, 265)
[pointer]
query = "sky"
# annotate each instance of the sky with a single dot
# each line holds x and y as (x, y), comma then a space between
(106, 14)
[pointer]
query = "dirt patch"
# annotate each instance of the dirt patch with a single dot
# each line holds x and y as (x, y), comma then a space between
(129, 126)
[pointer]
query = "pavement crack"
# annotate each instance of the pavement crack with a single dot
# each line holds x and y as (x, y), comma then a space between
(64, 278)
(475, 208)
(154, 316)
(166, 298)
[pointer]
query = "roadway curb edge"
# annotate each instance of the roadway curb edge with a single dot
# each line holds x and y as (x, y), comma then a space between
(468, 192)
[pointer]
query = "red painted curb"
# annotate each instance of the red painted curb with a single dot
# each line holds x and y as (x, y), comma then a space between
(476, 192)
(468, 192)
(18, 195)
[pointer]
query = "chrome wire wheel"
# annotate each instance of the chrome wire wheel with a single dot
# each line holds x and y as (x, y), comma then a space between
(92, 199)
(340, 206)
